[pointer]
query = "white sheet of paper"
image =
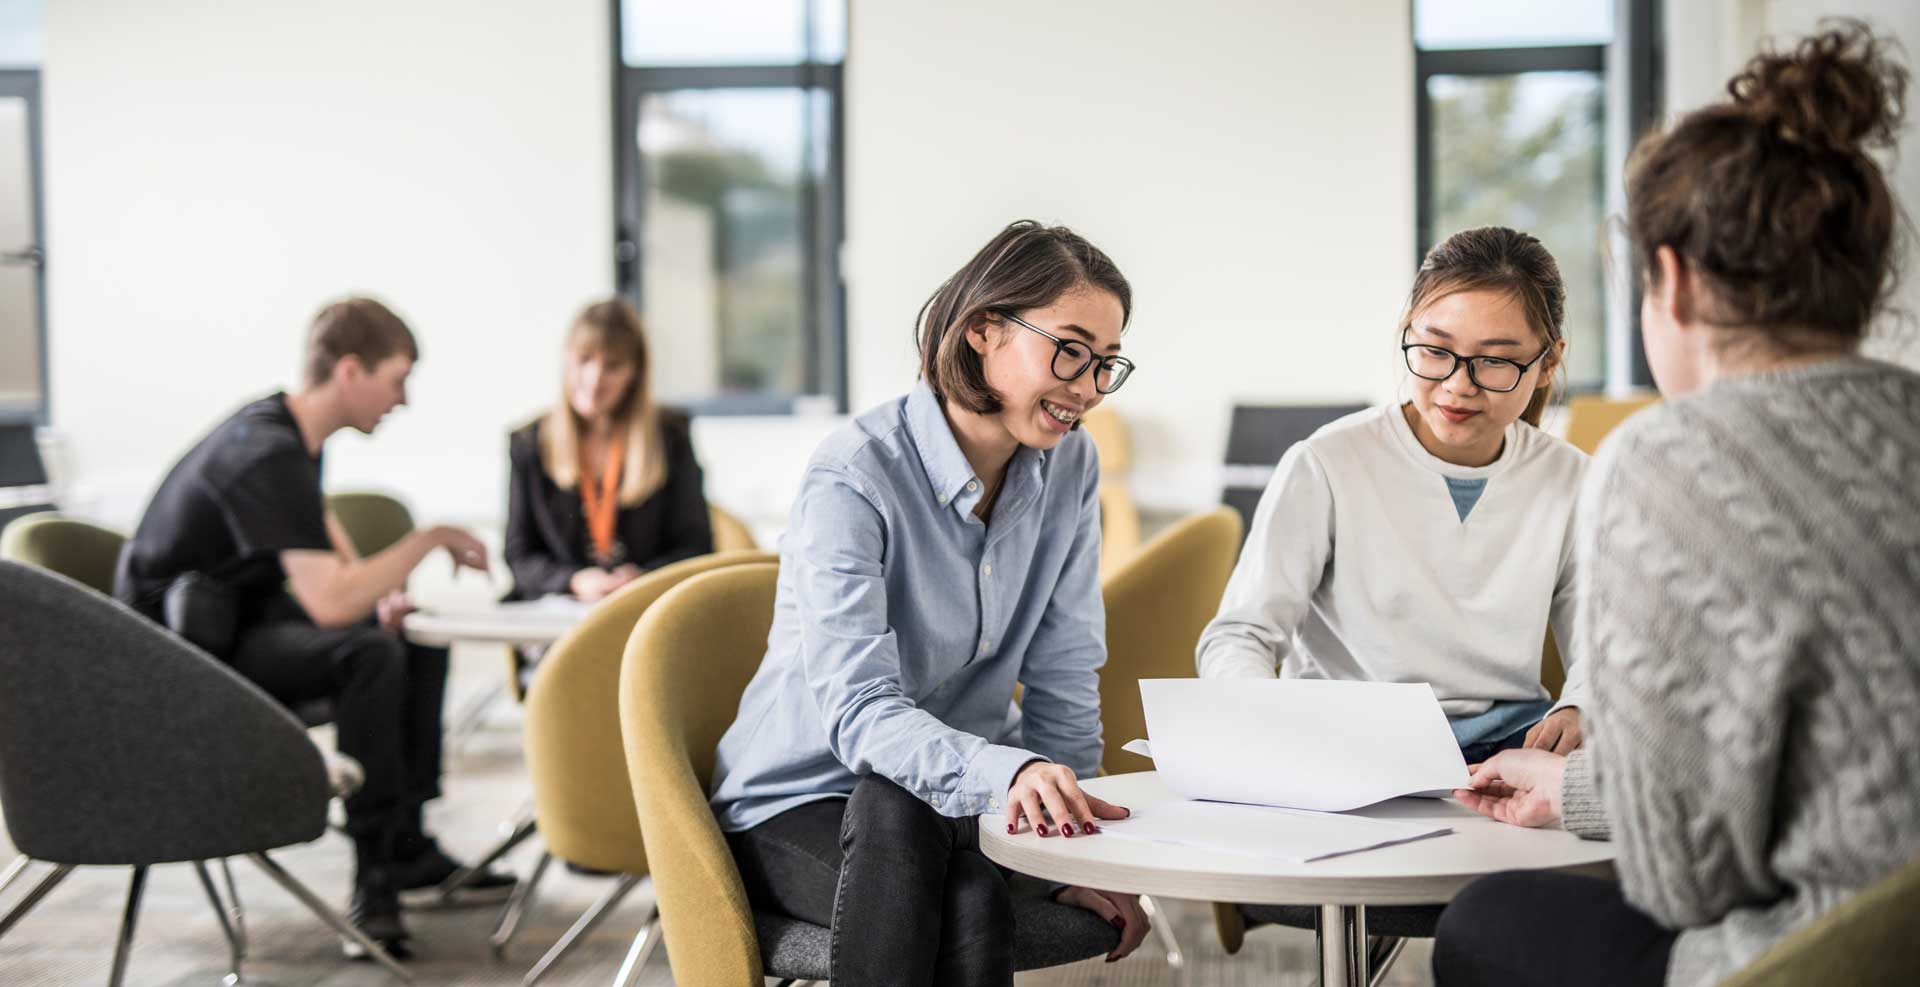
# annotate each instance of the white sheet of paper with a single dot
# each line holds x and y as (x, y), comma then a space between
(1292, 835)
(1300, 743)
(545, 610)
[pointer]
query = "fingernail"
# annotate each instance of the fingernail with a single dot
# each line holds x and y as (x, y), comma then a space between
(1091, 828)
(1116, 923)
(1041, 829)
(1067, 829)
(1009, 829)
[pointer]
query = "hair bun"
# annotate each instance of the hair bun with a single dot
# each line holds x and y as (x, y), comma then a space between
(1835, 90)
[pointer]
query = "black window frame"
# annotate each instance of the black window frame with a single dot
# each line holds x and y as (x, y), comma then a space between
(1639, 21)
(823, 216)
(24, 83)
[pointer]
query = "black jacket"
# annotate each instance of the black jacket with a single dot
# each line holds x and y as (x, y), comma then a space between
(547, 528)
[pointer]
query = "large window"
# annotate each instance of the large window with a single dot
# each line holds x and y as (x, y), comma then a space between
(1514, 107)
(23, 337)
(728, 157)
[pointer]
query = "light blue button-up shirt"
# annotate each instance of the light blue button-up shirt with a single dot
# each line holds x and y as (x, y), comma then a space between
(902, 623)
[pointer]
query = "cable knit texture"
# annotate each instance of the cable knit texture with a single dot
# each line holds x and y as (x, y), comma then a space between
(1751, 608)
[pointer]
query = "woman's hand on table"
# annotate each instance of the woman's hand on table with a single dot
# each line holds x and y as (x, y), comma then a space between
(1122, 911)
(1560, 732)
(1044, 792)
(1521, 787)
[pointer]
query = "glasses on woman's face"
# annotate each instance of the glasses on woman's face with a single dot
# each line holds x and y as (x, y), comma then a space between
(1071, 358)
(1490, 373)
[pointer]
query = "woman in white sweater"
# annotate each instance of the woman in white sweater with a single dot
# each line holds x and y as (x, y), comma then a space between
(1431, 540)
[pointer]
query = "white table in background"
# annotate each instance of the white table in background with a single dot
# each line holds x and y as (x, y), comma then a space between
(1424, 872)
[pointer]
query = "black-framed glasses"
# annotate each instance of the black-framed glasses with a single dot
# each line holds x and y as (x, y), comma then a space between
(1491, 373)
(1071, 358)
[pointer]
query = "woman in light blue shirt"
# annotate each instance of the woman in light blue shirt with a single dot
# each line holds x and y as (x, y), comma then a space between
(944, 547)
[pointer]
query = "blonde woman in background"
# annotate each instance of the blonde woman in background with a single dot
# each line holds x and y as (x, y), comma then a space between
(605, 485)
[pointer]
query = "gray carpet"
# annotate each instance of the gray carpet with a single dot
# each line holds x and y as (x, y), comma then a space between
(68, 939)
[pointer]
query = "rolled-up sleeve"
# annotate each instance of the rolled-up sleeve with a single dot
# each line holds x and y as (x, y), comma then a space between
(1061, 670)
(851, 658)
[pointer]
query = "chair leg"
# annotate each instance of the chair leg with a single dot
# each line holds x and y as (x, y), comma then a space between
(124, 946)
(1163, 928)
(14, 870)
(239, 913)
(1230, 925)
(326, 914)
(236, 944)
(515, 833)
(621, 886)
(33, 897)
(643, 944)
(517, 905)
(1381, 952)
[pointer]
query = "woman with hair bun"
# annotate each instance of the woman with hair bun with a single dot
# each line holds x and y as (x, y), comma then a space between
(1751, 561)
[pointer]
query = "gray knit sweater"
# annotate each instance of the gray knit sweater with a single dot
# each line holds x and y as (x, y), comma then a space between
(1751, 607)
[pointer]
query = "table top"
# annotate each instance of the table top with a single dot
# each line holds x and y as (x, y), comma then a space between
(535, 622)
(1429, 871)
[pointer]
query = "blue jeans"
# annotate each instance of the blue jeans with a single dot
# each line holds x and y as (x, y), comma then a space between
(1475, 753)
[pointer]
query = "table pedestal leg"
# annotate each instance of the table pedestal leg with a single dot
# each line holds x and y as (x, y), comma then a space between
(1341, 935)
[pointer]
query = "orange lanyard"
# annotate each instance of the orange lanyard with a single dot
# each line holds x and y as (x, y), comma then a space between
(599, 501)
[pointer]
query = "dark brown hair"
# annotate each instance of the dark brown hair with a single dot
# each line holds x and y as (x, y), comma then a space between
(1024, 266)
(1770, 197)
(357, 327)
(1497, 259)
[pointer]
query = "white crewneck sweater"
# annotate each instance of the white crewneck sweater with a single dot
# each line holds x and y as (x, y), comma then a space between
(1360, 566)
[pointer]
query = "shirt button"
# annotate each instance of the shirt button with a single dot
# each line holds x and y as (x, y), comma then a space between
(987, 570)
(973, 485)
(934, 800)
(986, 646)
(993, 803)
(942, 498)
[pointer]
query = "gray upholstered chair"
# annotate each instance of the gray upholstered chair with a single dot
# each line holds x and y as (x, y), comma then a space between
(122, 745)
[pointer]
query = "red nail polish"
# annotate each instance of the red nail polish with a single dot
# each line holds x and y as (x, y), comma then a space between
(1009, 829)
(1067, 829)
(1091, 828)
(1041, 829)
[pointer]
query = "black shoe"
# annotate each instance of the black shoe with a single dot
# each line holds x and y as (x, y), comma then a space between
(421, 876)
(375, 911)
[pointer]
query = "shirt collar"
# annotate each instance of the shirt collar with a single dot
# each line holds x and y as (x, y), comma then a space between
(948, 472)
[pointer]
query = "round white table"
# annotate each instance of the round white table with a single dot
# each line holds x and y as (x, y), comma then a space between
(1423, 872)
(541, 622)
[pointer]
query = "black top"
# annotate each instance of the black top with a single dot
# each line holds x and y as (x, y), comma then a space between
(246, 493)
(547, 540)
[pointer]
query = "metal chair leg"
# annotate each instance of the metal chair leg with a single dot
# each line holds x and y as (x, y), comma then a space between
(516, 833)
(124, 946)
(1164, 930)
(236, 945)
(1381, 952)
(33, 897)
(517, 905)
(649, 937)
(328, 915)
(14, 870)
(239, 913)
(621, 886)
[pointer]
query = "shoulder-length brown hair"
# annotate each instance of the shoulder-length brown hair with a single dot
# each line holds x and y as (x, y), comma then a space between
(1025, 266)
(612, 329)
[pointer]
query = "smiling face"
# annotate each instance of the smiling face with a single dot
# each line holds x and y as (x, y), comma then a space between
(1455, 419)
(1038, 409)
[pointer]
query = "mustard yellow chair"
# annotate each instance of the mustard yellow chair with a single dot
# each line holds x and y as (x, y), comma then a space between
(686, 666)
(1119, 515)
(1869, 939)
(730, 534)
(578, 768)
(79, 550)
(1590, 417)
(374, 521)
(1157, 605)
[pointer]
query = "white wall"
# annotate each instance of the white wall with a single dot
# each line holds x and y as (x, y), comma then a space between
(216, 171)
(1710, 40)
(1248, 165)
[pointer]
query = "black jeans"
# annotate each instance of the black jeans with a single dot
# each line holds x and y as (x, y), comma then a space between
(387, 696)
(908, 894)
(1521, 928)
